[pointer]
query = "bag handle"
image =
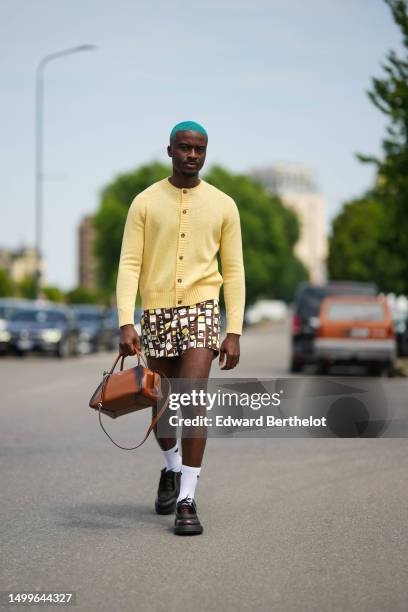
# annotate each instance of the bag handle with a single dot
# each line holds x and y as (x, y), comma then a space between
(139, 356)
(154, 419)
(108, 373)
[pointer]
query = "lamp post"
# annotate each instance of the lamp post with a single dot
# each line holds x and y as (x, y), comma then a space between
(39, 112)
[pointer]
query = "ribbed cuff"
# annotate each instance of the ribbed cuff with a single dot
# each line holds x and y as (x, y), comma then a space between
(126, 317)
(234, 329)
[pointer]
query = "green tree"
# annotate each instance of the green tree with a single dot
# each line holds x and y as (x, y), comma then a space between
(110, 219)
(6, 284)
(54, 294)
(356, 248)
(82, 295)
(26, 287)
(269, 234)
(390, 95)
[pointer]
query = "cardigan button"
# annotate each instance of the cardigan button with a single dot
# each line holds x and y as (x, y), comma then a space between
(179, 301)
(179, 280)
(184, 190)
(184, 211)
(182, 235)
(180, 256)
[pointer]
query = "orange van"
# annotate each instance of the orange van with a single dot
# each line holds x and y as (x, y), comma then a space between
(356, 329)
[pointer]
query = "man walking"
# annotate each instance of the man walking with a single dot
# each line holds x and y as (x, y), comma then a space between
(173, 232)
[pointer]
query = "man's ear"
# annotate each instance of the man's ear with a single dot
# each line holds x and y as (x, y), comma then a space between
(169, 151)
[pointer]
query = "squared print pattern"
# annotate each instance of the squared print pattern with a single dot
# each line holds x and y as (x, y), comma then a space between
(168, 332)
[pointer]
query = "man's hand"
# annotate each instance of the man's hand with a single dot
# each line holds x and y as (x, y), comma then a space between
(129, 340)
(230, 349)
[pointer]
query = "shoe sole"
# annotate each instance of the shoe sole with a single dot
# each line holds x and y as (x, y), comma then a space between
(189, 530)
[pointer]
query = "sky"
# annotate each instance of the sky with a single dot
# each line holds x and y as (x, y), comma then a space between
(271, 81)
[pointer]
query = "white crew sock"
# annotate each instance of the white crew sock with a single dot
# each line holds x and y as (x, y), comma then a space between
(188, 481)
(173, 459)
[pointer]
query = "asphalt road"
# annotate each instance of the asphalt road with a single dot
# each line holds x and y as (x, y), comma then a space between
(289, 524)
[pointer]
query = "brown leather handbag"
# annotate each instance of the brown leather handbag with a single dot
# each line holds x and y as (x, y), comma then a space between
(127, 391)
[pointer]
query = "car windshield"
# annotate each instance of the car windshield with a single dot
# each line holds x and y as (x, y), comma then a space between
(88, 317)
(310, 299)
(111, 317)
(6, 311)
(355, 312)
(39, 316)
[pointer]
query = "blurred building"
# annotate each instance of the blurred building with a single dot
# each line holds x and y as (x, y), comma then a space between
(87, 264)
(296, 187)
(5, 259)
(21, 263)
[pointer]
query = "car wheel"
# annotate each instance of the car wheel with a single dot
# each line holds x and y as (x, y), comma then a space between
(295, 365)
(389, 370)
(377, 369)
(75, 351)
(63, 349)
(322, 368)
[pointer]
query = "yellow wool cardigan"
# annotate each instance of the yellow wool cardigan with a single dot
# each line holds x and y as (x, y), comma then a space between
(169, 251)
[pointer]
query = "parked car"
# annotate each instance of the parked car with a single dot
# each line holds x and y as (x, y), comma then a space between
(51, 329)
(8, 306)
(110, 332)
(356, 330)
(271, 310)
(305, 315)
(110, 329)
(400, 320)
(90, 318)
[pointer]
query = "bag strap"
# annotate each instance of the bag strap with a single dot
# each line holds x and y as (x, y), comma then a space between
(155, 419)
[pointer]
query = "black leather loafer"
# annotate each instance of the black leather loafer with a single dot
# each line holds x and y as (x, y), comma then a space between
(167, 493)
(187, 521)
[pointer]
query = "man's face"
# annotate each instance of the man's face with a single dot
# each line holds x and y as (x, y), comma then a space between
(188, 150)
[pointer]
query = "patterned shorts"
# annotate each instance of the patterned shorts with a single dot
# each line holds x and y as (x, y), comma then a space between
(168, 332)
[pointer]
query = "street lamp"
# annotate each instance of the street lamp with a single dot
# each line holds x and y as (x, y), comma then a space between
(39, 96)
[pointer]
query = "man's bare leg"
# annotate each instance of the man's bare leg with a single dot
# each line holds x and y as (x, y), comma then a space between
(166, 436)
(170, 367)
(195, 364)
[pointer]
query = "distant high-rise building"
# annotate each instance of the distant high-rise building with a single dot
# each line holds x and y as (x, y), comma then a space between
(87, 264)
(296, 187)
